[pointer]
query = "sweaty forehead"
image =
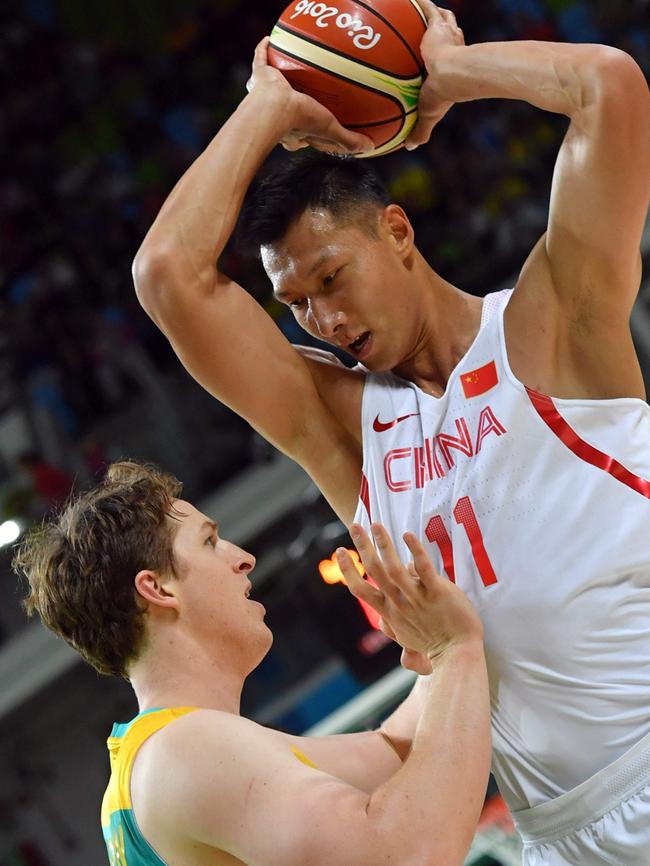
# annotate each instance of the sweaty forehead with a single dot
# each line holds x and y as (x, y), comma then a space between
(312, 239)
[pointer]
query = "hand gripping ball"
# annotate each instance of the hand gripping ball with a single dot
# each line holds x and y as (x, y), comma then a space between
(361, 60)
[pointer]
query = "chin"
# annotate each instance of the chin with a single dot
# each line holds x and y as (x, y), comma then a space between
(378, 364)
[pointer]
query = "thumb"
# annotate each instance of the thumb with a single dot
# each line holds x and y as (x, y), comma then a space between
(353, 141)
(416, 662)
(421, 133)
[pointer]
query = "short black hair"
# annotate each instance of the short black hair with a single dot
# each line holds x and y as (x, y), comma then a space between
(308, 180)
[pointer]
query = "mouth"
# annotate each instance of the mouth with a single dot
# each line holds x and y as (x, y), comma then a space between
(360, 347)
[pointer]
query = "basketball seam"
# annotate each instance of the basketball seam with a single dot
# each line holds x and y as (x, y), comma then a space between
(313, 65)
(381, 122)
(365, 6)
(354, 59)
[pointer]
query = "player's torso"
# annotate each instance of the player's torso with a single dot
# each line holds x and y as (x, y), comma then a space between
(540, 510)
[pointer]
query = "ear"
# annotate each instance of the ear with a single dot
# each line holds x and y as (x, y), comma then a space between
(156, 591)
(399, 230)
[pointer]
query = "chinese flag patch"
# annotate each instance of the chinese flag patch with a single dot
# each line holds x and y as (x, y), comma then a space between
(480, 381)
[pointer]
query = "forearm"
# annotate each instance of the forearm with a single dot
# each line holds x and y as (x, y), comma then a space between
(197, 220)
(555, 77)
(401, 725)
(438, 794)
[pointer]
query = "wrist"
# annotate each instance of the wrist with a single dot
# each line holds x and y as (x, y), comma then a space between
(469, 649)
(439, 64)
(273, 108)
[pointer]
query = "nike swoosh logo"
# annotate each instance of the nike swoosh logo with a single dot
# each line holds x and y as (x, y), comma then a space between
(380, 427)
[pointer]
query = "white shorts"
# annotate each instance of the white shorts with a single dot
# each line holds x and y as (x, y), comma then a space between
(605, 820)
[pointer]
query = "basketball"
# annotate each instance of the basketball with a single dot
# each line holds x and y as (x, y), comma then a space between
(361, 60)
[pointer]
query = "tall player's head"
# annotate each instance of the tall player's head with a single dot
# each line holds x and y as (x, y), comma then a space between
(129, 570)
(340, 254)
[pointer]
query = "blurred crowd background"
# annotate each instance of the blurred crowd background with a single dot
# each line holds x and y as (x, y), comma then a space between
(104, 105)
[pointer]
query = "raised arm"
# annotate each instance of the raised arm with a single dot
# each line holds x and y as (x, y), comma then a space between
(589, 258)
(223, 338)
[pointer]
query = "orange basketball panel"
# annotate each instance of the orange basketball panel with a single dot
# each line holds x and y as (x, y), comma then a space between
(355, 30)
(405, 18)
(351, 103)
(382, 133)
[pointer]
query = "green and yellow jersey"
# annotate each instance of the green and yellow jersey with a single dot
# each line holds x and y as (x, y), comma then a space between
(125, 843)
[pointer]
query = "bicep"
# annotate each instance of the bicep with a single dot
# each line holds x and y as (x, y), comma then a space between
(249, 796)
(231, 347)
(364, 760)
(600, 193)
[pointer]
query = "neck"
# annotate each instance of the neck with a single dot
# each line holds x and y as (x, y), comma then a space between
(447, 325)
(181, 675)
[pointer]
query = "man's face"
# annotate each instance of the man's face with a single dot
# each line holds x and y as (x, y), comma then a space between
(213, 587)
(348, 288)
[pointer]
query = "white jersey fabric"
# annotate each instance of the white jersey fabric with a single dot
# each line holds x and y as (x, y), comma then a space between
(539, 508)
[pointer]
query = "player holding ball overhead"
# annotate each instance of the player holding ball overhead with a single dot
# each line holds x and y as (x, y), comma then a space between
(511, 434)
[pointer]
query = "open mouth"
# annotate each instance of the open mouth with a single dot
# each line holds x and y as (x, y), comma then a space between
(359, 344)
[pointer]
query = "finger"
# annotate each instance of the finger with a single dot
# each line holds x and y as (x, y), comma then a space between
(294, 144)
(421, 133)
(369, 556)
(359, 587)
(424, 568)
(261, 58)
(428, 8)
(416, 662)
(332, 147)
(392, 564)
(353, 141)
(448, 16)
(387, 630)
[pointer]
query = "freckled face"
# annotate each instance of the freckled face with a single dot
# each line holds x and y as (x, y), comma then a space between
(214, 585)
(346, 287)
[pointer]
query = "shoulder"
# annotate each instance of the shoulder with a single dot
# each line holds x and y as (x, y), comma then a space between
(208, 730)
(326, 367)
(340, 388)
(193, 775)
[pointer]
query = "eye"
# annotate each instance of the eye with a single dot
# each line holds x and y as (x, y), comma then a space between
(298, 305)
(330, 278)
(211, 541)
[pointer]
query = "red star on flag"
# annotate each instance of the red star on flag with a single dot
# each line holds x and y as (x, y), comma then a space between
(480, 381)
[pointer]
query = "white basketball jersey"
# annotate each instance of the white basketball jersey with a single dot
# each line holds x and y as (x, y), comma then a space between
(539, 509)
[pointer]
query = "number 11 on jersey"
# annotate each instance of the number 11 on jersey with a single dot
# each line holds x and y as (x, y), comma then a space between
(436, 532)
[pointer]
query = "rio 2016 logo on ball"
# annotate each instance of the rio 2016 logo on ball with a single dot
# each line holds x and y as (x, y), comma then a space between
(361, 60)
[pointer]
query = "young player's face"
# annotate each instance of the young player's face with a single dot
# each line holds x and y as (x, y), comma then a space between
(348, 287)
(214, 586)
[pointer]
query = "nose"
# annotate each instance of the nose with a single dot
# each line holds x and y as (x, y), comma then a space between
(327, 321)
(244, 561)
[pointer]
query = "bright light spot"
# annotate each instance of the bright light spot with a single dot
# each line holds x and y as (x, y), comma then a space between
(9, 532)
(331, 573)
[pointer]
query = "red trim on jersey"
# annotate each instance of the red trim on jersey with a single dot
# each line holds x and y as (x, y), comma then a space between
(549, 414)
(364, 495)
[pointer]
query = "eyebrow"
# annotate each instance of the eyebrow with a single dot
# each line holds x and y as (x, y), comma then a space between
(209, 524)
(318, 264)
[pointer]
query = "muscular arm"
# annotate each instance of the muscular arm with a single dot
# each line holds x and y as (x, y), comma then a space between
(223, 338)
(367, 760)
(601, 186)
(226, 783)
(574, 296)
